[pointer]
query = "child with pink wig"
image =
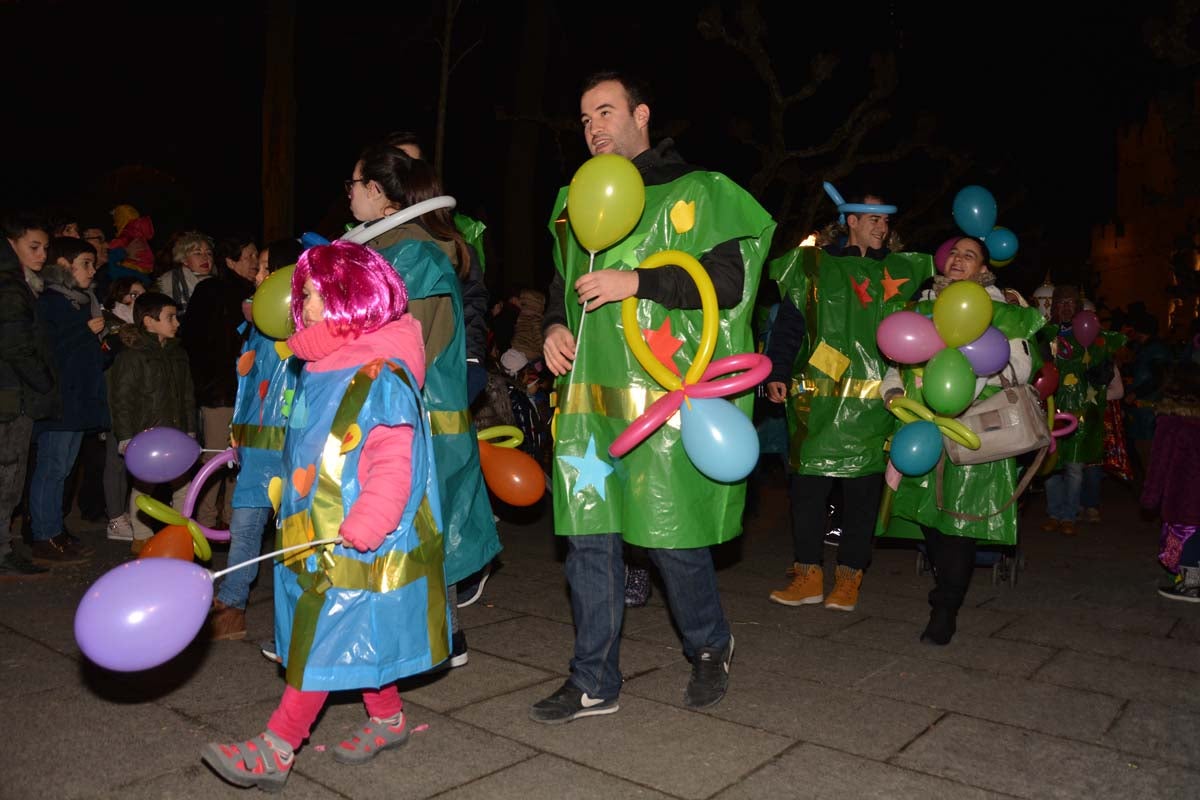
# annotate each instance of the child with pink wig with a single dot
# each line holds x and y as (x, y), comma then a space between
(357, 463)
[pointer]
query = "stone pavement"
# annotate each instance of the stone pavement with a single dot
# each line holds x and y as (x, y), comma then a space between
(1077, 682)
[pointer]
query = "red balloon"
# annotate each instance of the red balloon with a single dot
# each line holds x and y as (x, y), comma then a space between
(512, 475)
(173, 541)
(943, 252)
(1085, 326)
(1046, 380)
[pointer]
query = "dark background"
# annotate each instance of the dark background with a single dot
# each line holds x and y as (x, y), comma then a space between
(162, 107)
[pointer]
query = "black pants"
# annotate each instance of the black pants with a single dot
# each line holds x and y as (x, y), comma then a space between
(810, 517)
(953, 560)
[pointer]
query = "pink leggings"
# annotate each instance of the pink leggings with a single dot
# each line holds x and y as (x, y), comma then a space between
(297, 711)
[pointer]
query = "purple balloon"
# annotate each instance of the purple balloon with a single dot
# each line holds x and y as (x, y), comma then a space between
(143, 613)
(989, 353)
(943, 252)
(158, 455)
(908, 337)
(1085, 326)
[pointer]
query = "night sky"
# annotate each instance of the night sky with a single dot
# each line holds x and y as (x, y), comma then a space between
(173, 98)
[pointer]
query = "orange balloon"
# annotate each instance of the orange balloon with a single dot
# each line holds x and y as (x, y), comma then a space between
(512, 475)
(173, 541)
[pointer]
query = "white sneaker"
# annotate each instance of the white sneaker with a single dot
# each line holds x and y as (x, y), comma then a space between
(120, 529)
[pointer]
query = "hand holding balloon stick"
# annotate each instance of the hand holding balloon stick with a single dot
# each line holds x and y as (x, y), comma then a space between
(143, 613)
(604, 203)
(719, 439)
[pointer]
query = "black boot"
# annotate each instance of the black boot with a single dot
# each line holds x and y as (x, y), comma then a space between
(943, 621)
(953, 560)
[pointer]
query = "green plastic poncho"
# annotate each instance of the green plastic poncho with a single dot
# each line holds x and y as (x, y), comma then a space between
(467, 523)
(978, 489)
(472, 231)
(837, 424)
(653, 495)
(1075, 395)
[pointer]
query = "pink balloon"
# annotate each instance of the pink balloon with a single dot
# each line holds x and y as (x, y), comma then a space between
(757, 367)
(943, 252)
(197, 485)
(1085, 326)
(892, 476)
(1072, 423)
(650, 421)
(908, 337)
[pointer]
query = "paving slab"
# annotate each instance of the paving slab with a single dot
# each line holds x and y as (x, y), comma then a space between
(815, 659)
(1167, 733)
(843, 719)
(1059, 633)
(1028, 764)
(1055, 710)
(548, 777)
(809, 772)
(1120, 678)
(27, 666)
(483, 676)
(971, 618)
(679, 752)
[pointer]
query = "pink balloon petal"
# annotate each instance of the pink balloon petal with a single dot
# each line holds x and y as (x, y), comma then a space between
(650, 420)
(757, 367)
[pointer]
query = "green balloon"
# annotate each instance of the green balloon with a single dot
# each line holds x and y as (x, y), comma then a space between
(272, 306)
(948, 383)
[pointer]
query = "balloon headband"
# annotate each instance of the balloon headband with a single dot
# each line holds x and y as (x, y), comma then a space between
(854, 208)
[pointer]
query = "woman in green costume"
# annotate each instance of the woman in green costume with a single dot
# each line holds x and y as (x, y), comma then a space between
(431, 257)
(975, 498)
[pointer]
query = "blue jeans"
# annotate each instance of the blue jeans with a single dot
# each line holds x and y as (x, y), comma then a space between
(1089, 494)
(56, 451)
(1062, 492)
(596, 573)
(245, 542)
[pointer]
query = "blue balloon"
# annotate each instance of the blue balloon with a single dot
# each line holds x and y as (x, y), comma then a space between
(1002, 244)
(309, 239)
(719, 439)
(916, 448)
(975, 211)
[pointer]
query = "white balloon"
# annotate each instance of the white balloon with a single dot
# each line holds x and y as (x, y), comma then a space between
(369, 230)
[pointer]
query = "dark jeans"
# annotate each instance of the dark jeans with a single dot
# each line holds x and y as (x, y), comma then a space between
(953, 561)
(14, 452)
(596, 574)
(810, 517)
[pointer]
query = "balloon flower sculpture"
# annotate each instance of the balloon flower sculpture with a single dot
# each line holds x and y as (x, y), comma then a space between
(512, 475)
(718, 438)
(974, 211)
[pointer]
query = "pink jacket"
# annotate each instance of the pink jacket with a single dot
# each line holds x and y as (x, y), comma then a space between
(385, 466)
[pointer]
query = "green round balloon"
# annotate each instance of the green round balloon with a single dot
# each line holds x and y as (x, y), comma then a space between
(962, 313)
(948, 383)
(272, 306)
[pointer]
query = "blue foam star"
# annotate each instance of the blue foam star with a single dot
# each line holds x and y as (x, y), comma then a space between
(592, 471)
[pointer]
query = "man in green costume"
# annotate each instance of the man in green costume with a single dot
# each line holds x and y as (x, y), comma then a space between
(827, 367)
(652, 497)
(1083, 377)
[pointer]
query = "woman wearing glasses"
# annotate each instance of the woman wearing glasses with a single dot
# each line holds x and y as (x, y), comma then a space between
(432, 257)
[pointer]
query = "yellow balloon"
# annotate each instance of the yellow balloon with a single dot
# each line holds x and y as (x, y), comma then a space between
(962, 312)
(604, 201)
(496, 431)
(1003, 263)
(710, 322)
(159, 511)
(272, 306)
(200, 545)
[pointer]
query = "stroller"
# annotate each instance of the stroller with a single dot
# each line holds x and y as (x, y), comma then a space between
(1006, 562)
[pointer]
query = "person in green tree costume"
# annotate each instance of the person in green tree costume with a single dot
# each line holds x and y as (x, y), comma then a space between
(1083, 377)
(431, 257)
(653, 497)
(826, 367)
(978, 499)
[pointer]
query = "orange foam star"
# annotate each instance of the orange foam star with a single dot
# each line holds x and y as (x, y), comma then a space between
(891, 286)
(663, 345)
(860, 289)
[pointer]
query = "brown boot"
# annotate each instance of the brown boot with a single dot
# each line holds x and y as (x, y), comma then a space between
(226, 623)
(844, 596)
(807, 586)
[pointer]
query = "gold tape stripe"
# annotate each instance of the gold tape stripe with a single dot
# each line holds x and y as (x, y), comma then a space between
(619, 403)
(449, 422)
(858, 388)
(268, 437)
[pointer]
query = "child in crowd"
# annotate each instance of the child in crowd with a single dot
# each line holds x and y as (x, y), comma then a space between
(117, 313)
(267, 377)
(134, 233)
(371, 610)
(150, 385)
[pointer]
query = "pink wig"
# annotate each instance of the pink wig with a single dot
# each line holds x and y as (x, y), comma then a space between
(362, 292)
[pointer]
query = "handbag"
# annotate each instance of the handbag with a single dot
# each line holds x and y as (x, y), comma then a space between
(1009, 423)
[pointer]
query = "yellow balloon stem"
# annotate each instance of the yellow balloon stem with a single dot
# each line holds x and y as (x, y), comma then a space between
(200, 545)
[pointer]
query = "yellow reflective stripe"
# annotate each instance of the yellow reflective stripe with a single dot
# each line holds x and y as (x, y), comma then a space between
(448, 422)
(268, 437)
(859, 388)
(609, 401)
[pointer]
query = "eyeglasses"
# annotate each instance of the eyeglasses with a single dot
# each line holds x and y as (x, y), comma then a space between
(349, 182)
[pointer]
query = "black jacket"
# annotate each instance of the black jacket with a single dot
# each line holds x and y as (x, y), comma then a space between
(211, 338)
(150, 384)
(26, 377)
(669, 286)
(79, 363)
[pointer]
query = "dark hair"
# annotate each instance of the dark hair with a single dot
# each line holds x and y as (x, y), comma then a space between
(400, 138)
(231, 247)
(408, 181)
(983, 248)
(636, 89)
(92, 223)
(19, 224)
(151, 305)
(282, 253)
(67, 247)
(118, 289)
